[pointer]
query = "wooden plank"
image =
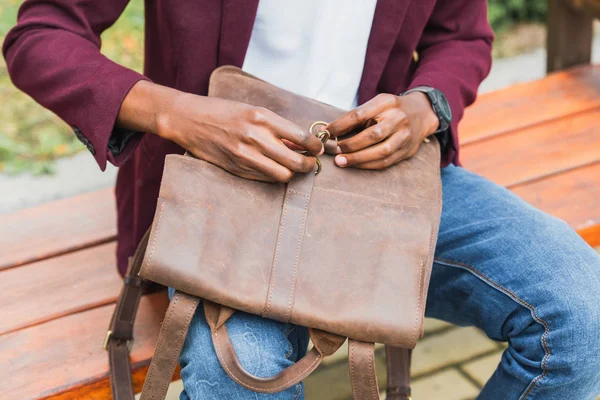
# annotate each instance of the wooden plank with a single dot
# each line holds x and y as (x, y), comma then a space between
(570, 35)
(536, 152)
(526, 104)
(59, 286)
(100, 390)
(66, 354)
(57, 228)
(573, 196)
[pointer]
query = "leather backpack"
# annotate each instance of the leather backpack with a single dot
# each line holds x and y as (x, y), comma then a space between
(345, 252)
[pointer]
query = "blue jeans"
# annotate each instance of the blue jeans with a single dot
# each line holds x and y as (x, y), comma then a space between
(521, 276)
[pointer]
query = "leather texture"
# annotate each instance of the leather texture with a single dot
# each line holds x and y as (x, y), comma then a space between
(352, 255)
(120, 330)
(361, 360)
(346, 252)
(216, 315)
(170, 342)
(398, 373)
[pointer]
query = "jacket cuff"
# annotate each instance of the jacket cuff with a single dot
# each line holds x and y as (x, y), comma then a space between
(97, 130)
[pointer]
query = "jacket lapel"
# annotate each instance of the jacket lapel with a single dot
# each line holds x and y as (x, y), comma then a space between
(237, 20)
(387, 21)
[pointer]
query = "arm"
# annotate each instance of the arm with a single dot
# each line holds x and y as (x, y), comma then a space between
(454, 57)
(53, 54)
(455, 54)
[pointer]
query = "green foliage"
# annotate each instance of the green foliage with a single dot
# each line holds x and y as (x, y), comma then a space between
(31, 138)
(504, 13)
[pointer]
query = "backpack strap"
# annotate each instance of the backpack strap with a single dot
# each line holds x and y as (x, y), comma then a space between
(119, 337)
(361, 360)
(168, 347)
(398, 373)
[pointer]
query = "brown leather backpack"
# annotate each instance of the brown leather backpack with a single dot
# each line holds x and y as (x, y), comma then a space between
(345, 252)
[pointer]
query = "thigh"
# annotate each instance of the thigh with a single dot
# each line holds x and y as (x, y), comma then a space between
(264, 348)
(520, 275)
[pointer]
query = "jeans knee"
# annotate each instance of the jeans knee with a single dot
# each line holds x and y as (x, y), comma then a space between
(574, 338)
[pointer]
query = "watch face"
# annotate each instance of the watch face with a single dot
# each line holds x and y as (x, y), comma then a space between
(443, 107)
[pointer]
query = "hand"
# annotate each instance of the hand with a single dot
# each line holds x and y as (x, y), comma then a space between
(251, 142)
(393, 129)
(247, 141)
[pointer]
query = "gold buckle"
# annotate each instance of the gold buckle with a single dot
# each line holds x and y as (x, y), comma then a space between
(323, 136)
(107, 339)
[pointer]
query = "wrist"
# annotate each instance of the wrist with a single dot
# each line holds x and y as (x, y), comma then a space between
(425, 113)
(145, 105)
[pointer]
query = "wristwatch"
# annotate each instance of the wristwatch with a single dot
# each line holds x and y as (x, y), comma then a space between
(439, 104)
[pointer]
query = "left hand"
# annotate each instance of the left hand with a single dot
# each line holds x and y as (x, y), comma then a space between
(393, 129)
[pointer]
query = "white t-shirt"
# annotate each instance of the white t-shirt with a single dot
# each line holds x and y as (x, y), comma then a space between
(315, 48)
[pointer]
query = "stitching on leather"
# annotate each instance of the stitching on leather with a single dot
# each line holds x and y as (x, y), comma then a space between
(520, 301)
(297, 261)
(262, 390)
(434, 228)
(180, 339)
(364, 197)
(297, 192)
(148, 264)
(159, 346)
(413, 339)
(372, 374)
(351, 362)
(276, 259)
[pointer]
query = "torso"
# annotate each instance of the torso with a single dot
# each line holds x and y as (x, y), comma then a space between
(324, 61)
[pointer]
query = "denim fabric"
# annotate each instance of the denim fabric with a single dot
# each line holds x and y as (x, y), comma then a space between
(520, 275)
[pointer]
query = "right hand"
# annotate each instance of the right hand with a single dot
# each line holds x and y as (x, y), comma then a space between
(247, 141)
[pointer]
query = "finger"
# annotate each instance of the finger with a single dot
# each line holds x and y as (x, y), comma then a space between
(379, 151)
(264, 168)
(359, 116)
(285, 129)
(384, 163)
(372, 135)
(291, 145)
(290, 159)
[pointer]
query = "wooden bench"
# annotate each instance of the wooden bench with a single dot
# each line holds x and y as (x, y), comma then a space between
(57, 266)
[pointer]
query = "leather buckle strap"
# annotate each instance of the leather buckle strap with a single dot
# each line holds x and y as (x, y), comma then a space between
(398, 373)
(109, 336)
(118, 340)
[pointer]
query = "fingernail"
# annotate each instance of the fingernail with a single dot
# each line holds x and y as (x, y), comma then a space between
(338, 150)
(322, 150)
(341, 161)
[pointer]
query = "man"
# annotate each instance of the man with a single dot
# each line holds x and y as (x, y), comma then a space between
(521, 276)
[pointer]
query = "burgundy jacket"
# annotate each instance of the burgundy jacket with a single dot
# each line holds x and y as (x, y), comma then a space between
(53, 55)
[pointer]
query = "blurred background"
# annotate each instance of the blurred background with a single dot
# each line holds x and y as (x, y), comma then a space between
(41, 160)
(38, 150)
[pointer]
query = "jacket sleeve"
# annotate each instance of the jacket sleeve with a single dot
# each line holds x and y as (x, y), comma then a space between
(455, 56)
(53, 54)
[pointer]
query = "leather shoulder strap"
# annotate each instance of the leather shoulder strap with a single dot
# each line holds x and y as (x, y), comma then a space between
(170, 342)
(398, 373)
(361, 360)
(119, 336)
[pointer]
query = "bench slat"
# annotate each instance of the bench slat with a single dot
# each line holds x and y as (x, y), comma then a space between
(526, 104)
(573, 196)
(57, 228)
(536, 152)
(64, 354)
(59, 286)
